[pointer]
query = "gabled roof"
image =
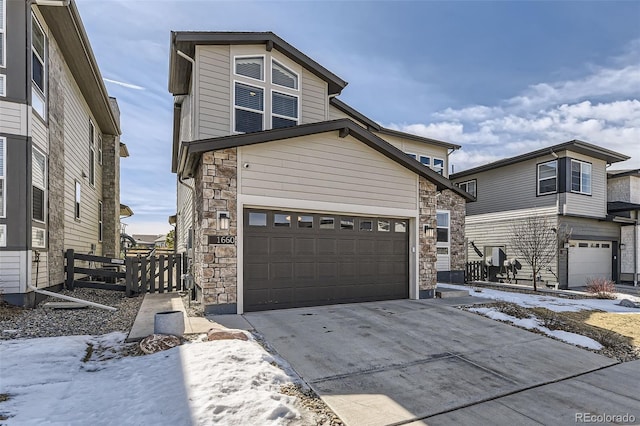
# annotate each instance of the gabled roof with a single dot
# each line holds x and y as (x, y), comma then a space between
(575, 145)
(66, 27)
(186, 41)
(372, 125)
(191, 151)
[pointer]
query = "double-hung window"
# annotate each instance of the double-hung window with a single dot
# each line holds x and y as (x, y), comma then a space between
(92, 154)
(38, 67)
(263, 99)
(99, 149)
(39, 185)
(580, 177)
(469, 186)
(100, 227)
(3, 46)
(3, 174)
(548, 177)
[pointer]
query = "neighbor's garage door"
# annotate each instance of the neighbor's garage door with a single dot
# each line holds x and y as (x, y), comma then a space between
(301, 259)
(588, 259)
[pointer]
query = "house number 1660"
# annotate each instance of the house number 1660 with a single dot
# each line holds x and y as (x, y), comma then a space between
(222, 239)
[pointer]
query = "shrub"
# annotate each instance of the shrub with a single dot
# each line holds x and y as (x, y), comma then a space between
(601, 288)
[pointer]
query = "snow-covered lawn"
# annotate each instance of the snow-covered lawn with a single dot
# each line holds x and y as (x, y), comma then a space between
(556, 304)
(228, 382)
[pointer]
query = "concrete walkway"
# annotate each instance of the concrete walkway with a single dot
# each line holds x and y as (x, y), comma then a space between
(397, 362)
(162, 302)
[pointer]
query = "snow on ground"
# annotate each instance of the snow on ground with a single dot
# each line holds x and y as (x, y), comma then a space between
(532, 323)
(228, 382)
(556, 304)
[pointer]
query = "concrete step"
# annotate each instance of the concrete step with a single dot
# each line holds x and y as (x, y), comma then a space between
(443, 293)
(63, 305)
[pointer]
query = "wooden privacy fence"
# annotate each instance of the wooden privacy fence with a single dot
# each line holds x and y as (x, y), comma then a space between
(155, 274)
(140, 274)
(475, 271)
(97, 276)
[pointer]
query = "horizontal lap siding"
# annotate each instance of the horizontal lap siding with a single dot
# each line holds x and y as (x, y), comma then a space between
(329, 169)
(39, 134)
(11, 265)
(13, 118)
(184, 219)
(79, 235)
(42, 275)
(594, 205)
(511, 187)
(336, 114)
(495, 230)
(314, 98)
(418, 148)
(213, 98)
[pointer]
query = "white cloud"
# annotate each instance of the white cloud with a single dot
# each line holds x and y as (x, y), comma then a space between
(602, 108)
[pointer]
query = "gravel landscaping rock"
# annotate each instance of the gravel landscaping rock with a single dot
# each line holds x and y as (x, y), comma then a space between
(17, 323)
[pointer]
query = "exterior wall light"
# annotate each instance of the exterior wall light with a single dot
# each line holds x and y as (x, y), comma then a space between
(622, 246)
(223, 220)
(429, 231)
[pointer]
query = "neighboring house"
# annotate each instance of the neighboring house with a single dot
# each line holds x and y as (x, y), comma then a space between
(623, 196)
(287, 196)
(567, 183)
(150, 241)
(59, 148)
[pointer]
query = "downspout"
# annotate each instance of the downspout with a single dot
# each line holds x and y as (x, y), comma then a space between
(71, 299)
(449, 165)
(635, 252)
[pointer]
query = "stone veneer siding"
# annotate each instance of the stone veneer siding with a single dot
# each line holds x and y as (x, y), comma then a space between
(56, 189)
(215, 266)
(449, 200)
(110, 196)
(427, 274)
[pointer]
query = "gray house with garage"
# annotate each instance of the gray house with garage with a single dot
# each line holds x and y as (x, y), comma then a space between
(59, 148)
(287, 196)
(565, 183)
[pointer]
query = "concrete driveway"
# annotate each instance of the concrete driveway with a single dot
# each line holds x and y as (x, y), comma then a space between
(405, 361)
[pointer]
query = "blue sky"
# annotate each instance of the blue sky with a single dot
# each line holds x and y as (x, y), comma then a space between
(499, 78)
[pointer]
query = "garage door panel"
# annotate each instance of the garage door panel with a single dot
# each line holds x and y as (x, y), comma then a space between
(589, 259)
(281, 246)
(294, 267)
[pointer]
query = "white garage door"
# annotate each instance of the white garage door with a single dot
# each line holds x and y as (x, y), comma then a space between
(588, 259)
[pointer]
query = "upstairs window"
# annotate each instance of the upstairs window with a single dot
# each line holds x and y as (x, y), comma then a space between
(99, 149)
(92, 154)
(3, 156)
(249, 108)
(252, 67)
(100, 221)
(438, 166)
(469, 186)
(3, 32)
(548, 177)
(284, 110)
(283, 76)
(38, 182)
(38, 67)
(425, 160)
(414, 156)
(580, 177)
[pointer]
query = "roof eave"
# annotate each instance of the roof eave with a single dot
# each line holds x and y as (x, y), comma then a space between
(185, 41)
(66, 26)
(192, 150)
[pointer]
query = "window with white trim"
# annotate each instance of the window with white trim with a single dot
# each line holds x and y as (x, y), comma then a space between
(438, 166)
(100, 228)
(265, 94)
(38, 67)
(3, 235)
(3, 34)
(412, 155)
(39, 185)
(3, 176)
(92, 154)
(469, 186)
(3, 85)
(580, 177)
(442, 222)
(548, 177)
(249, 108)
(38, 237)
(425, 160)
(252, 67)
(283, 76)
(78, 200)
(99, 149)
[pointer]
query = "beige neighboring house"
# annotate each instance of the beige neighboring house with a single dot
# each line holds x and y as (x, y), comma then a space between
(59, 148)
(288, 197)
(566, 183)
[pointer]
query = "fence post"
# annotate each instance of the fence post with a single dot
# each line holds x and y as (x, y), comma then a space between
(171, 258)
(161, 273)
(128, 276)
(70, 268)
(152, 274)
